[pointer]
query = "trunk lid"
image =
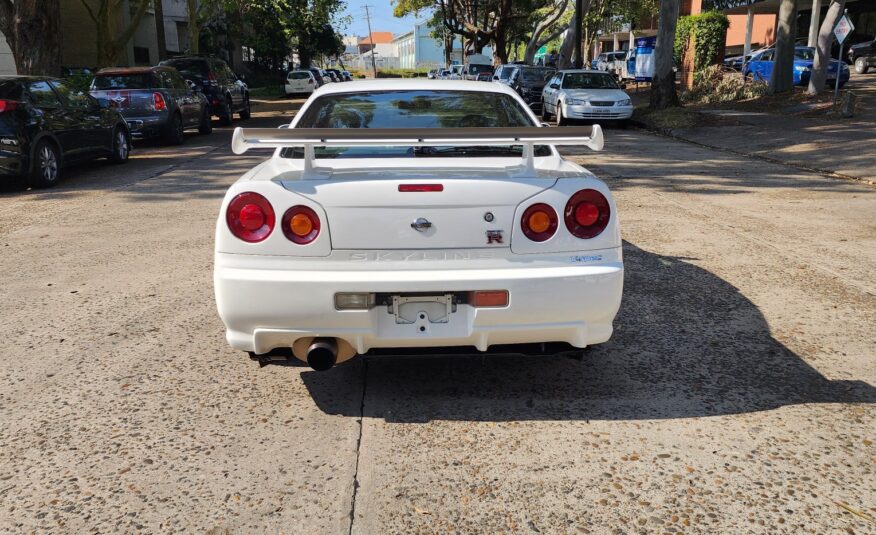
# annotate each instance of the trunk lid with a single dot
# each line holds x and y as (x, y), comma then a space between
(370, 211)
(129, 102)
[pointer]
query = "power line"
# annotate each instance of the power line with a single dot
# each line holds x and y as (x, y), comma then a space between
(371, 39)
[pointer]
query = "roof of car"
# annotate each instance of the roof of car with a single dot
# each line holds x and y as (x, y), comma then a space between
(25, 77)
(134, 70)
(588, 71)
(423, 84)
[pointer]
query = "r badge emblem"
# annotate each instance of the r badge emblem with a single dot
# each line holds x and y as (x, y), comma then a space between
(494, 236)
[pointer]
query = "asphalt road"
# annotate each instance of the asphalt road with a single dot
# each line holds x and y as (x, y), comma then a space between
(737, 394)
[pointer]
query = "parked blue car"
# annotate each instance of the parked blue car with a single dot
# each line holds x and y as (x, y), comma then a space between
(760, 67)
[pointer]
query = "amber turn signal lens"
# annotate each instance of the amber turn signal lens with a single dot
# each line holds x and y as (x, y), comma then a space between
(300, 225)
(539, 222)
(488, 298)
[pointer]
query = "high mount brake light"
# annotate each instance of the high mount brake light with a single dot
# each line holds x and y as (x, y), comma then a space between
(250, 217)
(420, 187)
(539, 222)
(301, 224)
(587, 214)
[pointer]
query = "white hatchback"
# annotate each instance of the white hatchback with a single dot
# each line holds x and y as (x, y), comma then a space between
(416, 216)
(300, 83)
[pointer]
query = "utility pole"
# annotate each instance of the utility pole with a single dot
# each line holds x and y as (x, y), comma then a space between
(576, 35)
(371, 40)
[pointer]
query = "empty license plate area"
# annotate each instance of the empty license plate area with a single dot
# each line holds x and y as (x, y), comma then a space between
(422, 309)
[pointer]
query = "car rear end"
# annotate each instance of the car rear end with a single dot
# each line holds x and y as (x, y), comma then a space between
(15, 136)
(300, 83)
(138, 97)
(431, 252)
(198, 71)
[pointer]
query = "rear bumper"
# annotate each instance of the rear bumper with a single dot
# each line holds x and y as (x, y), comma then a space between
(147, 126)
(265, 304)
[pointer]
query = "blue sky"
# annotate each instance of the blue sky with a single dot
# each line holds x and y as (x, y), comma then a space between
(381, 18)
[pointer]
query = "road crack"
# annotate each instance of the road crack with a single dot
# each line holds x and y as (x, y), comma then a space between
(358, 447)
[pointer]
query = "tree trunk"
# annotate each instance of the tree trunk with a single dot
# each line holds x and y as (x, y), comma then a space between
(663, 93)
(568, 46)
(501, 50)
(159, 30)
(448, 49)
(782, 77)
(194, 27)
(822, 48)
(32, 29)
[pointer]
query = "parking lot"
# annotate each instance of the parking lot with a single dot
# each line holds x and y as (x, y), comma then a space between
(737, 394)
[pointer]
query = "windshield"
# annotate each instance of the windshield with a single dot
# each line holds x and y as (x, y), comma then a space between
(588, 80)
(300, 75)
(474, 68)
(414, 109)
(535, 75)
(122, 81)
(193, 69)
(804, 53)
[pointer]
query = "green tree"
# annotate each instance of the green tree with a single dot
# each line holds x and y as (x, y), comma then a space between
(112, 40)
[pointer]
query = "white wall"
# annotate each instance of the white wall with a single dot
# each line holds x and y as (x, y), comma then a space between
(7, 63)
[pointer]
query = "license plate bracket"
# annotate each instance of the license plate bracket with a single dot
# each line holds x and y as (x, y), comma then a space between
(422, 309)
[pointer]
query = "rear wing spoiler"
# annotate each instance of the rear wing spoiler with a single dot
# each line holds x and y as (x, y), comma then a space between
(308, 138)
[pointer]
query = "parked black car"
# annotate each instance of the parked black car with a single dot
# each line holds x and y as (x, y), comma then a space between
(155, 101)
(45, 124)
(863, 56)
(317, 74)
(529, 82)
(225, 91)
(338, 74)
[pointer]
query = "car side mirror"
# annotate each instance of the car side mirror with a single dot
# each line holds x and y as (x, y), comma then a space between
(554, 86)
(495, 78)
(623, 85)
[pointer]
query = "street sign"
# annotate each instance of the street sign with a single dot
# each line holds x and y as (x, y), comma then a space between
(843, 28)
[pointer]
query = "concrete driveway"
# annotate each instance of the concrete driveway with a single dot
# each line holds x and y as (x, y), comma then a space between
(736, 395)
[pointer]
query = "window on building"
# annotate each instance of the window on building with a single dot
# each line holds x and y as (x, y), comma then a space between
(141, 55)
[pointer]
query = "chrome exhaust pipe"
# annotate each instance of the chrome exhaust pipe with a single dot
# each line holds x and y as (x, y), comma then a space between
(322, 354)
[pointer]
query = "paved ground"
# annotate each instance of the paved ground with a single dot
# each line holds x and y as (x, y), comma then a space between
(737, 395)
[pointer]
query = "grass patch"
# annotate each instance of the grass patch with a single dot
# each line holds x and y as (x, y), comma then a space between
(268, 92)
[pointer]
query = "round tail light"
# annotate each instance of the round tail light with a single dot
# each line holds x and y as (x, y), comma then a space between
(301, 224)
(587, 213)
(539, 222)
(250, 217)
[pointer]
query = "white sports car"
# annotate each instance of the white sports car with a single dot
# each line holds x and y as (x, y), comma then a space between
(416, 216)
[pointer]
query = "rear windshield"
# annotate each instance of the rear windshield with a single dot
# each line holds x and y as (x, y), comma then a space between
(123, 81)
(505, 73)
(191, 68)
(474, 68)
(588, 80)
(11, 90)
(413, 109)
(299, 75)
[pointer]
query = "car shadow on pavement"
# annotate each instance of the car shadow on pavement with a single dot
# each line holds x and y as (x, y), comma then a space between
(686, 344)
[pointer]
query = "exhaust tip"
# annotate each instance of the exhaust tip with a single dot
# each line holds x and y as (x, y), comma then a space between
(322, 354)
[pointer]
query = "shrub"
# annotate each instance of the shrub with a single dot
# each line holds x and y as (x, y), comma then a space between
(709, 31)
(715, 84)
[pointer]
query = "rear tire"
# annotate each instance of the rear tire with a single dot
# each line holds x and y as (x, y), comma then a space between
(246, 112)
(121, 146)
(175, 134)
(206, 126)
(225, 114)
(861, 66)
(46, 165)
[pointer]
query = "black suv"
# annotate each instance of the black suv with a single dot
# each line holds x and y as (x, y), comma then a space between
(225, 92)
(863, 56)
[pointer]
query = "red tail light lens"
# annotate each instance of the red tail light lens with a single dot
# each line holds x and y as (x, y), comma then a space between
(539, 222)
(301, 225)
(7, 105)
(250, 217)
(587, 213)
(420, 187)
(158, 103)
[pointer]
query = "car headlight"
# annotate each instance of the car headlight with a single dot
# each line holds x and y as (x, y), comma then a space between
(576, 101)
(624, 102)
